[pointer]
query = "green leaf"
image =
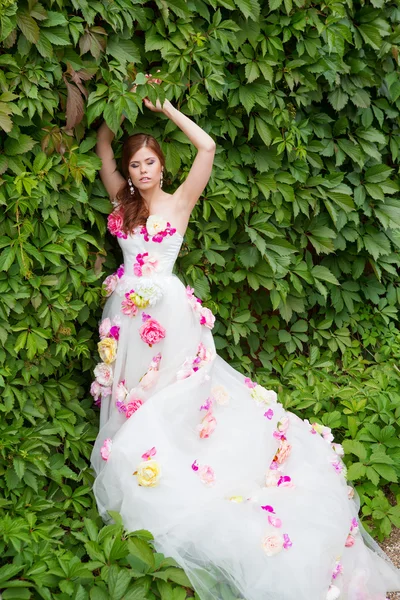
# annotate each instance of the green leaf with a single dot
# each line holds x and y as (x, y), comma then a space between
(142, 550)
(356, 471)
(21, 145)
(378, 173)
(123, 50)
(28, 26)
(274, 4)
(7, 258)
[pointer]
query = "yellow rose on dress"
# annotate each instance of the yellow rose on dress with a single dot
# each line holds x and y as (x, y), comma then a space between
(139, 300)
(107, 349)
(148, 473)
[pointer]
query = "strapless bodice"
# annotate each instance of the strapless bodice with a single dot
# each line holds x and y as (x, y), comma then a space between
(145, 257)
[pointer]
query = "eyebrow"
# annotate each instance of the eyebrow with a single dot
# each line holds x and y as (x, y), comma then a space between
(148, 158)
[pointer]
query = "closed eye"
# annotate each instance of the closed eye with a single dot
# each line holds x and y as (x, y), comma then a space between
(136, 164)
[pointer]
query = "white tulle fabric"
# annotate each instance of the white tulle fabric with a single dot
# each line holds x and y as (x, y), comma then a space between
(217, 530)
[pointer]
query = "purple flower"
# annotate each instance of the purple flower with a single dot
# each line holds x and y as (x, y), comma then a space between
(269, 414)
(268, 508)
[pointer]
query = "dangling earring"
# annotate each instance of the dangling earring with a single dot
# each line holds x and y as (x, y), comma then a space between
(132, 189)
(161, 178)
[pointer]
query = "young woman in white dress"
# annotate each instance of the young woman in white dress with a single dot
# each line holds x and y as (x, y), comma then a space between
(248, 498)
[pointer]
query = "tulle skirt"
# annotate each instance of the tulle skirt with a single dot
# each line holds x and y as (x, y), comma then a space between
(248, 498)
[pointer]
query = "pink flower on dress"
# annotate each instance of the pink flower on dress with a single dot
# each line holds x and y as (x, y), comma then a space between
(151, 376)
(206, 317)
(150, 453)
(339, 466)
(115, 223)
(338, 570)
(132, 407)
(272, 544)
(287, 542)
(283, 452)
(128, 305)
(207, 405)
(145, 265)
(99, 392)
(207, 475)
(274, 521)
(207, 426)
(104, 374)
(104, 328)
(350, 541)
(195, 466)
(105, 450)
(285, 481)
(120, 271)
(152, 332)
(269, 414)
(268, 508)
(250, 384)
(109, 284)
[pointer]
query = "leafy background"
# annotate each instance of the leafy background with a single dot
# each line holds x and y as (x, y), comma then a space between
(295, 245)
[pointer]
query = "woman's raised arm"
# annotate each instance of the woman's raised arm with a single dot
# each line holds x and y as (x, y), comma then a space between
(109, 174)
(190, 190)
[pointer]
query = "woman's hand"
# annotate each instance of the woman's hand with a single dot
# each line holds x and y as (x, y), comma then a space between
(147, 102)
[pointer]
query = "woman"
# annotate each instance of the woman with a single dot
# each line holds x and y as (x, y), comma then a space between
(244, 495)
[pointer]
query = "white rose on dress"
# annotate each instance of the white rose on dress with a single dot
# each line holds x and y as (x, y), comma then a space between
(220, 395)
(333, 593)
(338, 448)
(150, 291)
(263, 396)
(272, 544)
(104, 374)
(155, 224)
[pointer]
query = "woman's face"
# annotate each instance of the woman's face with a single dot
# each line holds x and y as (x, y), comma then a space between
(145, 169)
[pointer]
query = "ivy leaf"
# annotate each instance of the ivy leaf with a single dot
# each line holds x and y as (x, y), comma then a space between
(29, 27)
(123, 50)
(274, 4)
(338, 99)
(324, 274)
(23, 144)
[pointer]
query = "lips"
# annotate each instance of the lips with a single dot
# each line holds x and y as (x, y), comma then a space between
(144, 179)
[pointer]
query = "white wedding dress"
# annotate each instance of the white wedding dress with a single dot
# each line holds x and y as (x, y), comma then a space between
(242, 494)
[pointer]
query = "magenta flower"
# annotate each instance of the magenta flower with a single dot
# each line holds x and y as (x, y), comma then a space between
(120, 271)
(195, 466)
(114, 332)
(149, 454)
(287, 542)
(268, 508)
(269, 414)
(250, 384)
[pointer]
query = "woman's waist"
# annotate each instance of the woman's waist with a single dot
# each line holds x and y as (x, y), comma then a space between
(156, 283)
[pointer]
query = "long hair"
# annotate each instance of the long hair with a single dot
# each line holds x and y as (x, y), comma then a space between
(134, 210)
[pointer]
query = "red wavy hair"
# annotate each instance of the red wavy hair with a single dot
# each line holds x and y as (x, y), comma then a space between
(133, 208)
